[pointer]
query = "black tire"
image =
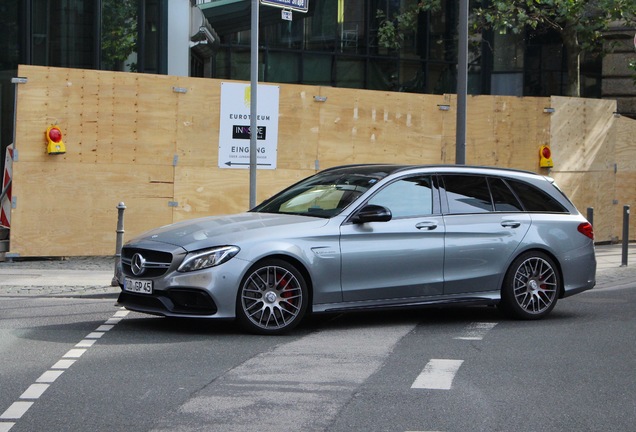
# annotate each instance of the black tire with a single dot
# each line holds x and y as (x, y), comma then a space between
(272, 298)
(531, 286)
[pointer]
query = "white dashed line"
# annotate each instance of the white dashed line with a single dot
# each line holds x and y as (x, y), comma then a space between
(49, 376)
(19, 408)
(438, 374)
(5, 426)
(16, 410)
(34, 391)
(63, 364)
(95, 335)
(74, 353)
(477, 331)
(86, 343)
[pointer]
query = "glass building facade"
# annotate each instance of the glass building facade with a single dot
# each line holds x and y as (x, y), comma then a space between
(336, 44)
(85, 34)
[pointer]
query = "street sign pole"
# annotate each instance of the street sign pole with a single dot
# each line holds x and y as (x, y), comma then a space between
(462, 84)
(253, 100)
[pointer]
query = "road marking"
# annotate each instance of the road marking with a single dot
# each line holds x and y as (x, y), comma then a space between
(16, 410)
(33, 393)
(438, 374)
(49, 376)
(63, 364)
(317, 375)
(477, 331)
(86, 343)
(95, 334)
(74, 353)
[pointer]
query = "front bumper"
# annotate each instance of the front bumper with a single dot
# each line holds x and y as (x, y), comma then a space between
(174, 302)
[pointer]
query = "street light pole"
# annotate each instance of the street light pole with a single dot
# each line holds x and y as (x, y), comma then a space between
(253, 101)
(462, 83)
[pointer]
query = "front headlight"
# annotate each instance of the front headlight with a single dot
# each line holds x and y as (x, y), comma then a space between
(207, 258)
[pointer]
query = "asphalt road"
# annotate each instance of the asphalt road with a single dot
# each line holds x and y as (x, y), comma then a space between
(81, 364)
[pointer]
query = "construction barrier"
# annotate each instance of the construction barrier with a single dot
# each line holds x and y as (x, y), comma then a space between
(5, 211)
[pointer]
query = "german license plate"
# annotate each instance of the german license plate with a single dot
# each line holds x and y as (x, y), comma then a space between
(138, 286)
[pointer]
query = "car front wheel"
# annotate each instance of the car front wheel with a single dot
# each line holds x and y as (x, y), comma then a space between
(272, 298)
(531, 286)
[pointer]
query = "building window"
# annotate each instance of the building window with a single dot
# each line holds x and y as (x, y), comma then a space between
(64, 33)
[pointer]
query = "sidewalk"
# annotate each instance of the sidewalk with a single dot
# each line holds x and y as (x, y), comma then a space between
(92, 276)
(68, 277)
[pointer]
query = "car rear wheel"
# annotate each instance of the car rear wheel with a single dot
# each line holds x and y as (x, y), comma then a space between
(272, 298)
(531, 286)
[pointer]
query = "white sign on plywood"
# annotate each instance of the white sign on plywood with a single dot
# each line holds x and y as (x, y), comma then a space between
(234, 127)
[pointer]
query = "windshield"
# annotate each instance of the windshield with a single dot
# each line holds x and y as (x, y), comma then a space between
(323, 195)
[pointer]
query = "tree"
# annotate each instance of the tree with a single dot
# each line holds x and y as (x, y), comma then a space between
(391, 28)
(581, 24)
(119, 33)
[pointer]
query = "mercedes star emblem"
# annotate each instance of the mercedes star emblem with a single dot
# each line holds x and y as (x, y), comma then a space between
(137, 264)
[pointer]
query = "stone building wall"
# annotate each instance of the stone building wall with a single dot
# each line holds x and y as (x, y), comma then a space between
(619, 81)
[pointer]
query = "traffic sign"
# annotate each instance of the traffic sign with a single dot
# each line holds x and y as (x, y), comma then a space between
(297, 5)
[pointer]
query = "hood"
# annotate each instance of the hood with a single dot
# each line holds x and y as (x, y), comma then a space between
(212, 231)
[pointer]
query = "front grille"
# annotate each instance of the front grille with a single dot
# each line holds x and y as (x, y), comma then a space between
(156, 263)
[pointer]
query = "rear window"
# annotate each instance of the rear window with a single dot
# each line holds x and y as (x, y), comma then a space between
(534, 199)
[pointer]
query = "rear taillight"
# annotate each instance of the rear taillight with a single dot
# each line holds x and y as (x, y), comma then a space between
(586, 229)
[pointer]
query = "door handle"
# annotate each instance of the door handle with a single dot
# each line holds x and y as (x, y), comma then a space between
(426, 226)
(510, 224)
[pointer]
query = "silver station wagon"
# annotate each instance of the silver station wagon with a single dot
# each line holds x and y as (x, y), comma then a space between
(364, 237)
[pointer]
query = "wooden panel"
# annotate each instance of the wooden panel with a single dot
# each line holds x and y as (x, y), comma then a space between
(593, 189)
(299, 129)
(123, 131)
(69, 209)
(579, 132)
(621, 140)
(197, 124)
(222, 191)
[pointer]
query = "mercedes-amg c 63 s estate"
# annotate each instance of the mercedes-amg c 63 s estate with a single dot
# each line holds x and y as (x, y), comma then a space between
(364, 237)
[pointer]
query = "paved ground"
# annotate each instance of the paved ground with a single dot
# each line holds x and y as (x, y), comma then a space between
(93, 276)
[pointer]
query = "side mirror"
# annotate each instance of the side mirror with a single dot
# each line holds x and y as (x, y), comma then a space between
(372, 213)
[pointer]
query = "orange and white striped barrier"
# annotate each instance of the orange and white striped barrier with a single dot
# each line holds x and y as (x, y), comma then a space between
(5, 210)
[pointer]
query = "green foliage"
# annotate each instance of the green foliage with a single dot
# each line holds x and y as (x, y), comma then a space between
(119, 33)
(391, 29)
(581, 23)
(584, 20)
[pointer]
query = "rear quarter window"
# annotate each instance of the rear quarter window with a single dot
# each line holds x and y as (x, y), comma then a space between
(534, 199)
(467, 194)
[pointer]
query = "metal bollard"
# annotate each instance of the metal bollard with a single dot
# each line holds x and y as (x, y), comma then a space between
(590, 215)
(120, 241)
(625, 235)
